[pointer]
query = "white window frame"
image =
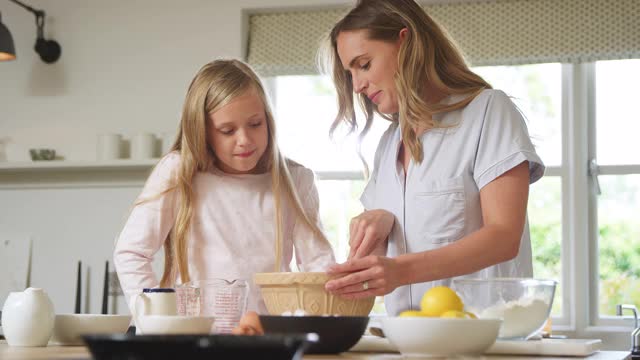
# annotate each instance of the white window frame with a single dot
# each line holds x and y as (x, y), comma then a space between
(580, 263)
(580, 318)
(270, 88)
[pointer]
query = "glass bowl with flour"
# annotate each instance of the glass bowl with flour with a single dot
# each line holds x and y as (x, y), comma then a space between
(523, 304)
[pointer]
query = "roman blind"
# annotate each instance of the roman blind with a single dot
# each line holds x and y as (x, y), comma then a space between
(498, 32)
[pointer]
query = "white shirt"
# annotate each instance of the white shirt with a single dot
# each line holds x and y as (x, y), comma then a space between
(440, 201)
(232, 229)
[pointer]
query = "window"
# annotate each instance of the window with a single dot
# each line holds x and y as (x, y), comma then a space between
(617, 160)
(575, 113)
(304, 108)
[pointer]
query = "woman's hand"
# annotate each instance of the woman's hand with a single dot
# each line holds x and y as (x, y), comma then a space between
(365, 277)
(369, 231)
(249, 325)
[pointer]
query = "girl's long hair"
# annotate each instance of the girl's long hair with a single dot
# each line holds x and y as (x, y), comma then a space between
(215, 85)
(427, 58)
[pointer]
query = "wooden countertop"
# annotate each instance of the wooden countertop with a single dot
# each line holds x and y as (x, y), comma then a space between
(81, 353)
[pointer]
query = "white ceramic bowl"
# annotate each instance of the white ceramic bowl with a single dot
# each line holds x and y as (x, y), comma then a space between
(69, 328)
(174, 324)
(523, 304)
(437, 337)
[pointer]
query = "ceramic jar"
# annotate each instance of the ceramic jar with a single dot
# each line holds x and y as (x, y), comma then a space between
(28, 318)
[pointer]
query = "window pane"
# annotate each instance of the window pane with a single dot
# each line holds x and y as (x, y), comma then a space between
(537, 91)
(545, 225)
(619, 242)
(339, 203)
(305, 107)
(617, 116)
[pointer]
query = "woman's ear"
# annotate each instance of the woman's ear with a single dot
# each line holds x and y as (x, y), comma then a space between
(404, 33)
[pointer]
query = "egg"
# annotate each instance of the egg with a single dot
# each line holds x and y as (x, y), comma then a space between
(249, 325)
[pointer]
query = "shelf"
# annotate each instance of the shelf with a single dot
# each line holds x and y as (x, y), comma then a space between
(63, 165)
(74, 174)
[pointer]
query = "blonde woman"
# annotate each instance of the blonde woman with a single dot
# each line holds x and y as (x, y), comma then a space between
(448, 193)
(224, 202)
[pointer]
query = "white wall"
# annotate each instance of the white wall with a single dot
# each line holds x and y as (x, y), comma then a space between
(125, 67)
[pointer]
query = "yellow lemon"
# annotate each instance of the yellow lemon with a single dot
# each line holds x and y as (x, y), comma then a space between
(454, 314)
(440, 299)
(412, 313)
(470, 315)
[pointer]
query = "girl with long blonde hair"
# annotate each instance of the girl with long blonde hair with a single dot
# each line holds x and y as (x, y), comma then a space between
(448, 194)
(224, 202)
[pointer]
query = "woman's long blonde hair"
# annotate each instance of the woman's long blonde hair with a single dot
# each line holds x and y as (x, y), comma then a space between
(215, 85)
(427, 58)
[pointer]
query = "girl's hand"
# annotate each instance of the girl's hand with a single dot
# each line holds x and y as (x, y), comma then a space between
(364, 277)
(249, 325)
(369, 231)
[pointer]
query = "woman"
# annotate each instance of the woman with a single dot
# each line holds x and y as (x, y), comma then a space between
(448, 193)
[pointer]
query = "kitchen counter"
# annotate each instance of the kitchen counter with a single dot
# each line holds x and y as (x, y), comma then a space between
(81, 353)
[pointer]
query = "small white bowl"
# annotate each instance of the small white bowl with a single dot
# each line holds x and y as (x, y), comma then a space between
(174, 324)
(436, 337)
(69, 328)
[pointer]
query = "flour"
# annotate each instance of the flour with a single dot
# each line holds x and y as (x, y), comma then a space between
(300, 312)
(297, 312)
(520, 318)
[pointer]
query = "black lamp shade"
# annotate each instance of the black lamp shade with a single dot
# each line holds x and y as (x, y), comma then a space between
(7, 50)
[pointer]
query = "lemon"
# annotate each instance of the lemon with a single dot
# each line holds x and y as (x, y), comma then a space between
(439, 299)
(412, 313)
(454, 314)
(470, 315)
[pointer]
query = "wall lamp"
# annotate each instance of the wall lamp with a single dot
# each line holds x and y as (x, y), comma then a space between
(49, 50)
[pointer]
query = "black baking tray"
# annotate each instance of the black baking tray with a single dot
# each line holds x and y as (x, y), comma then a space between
(196, 347)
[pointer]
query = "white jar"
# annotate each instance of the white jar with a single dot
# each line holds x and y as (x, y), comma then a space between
(143, 146)
(109, 146)
(28, 318)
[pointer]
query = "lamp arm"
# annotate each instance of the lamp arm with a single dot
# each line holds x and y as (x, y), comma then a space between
(40, 14)
(29, 8)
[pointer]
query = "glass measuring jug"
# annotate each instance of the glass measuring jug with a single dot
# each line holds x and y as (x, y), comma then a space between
(226, 300)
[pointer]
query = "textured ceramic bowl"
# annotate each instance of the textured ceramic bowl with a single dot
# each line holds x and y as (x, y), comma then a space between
(440, 337)
(523, 304)
(69, 328)
(291, 292)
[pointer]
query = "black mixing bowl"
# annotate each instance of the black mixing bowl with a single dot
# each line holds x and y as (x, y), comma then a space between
(336, 333)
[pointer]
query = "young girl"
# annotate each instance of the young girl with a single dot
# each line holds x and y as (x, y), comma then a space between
(224, 202)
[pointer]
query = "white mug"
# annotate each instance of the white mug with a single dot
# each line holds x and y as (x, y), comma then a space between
(157, 301)
(143, 146)
(109, 146)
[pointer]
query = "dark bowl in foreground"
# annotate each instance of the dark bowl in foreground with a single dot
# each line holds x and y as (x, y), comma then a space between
(336, 333)
(196, 347)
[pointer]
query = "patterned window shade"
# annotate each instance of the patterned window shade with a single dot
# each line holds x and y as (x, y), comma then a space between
(498, 32)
